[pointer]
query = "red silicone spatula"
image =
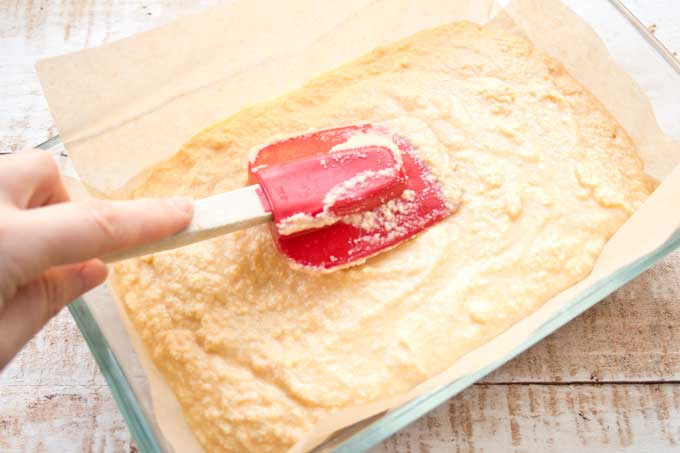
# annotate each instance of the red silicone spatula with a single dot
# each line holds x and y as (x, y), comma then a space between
(334, 200)
(377, 227)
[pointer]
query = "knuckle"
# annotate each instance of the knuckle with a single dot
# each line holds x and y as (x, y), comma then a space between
(53, 296)
(11, 264)
(104, 217)
(10, 276)
(44, 161)
(43, 167)
(5, 229)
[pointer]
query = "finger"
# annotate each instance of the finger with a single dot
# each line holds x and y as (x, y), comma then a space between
(31, 178)
(73, 232)
(37, 302)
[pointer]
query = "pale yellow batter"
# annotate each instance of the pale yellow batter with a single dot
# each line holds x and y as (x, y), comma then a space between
(257, 352)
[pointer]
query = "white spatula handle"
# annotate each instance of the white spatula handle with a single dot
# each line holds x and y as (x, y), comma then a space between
(213, 216)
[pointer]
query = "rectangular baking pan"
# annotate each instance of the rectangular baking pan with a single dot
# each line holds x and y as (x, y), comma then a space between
(631, 45)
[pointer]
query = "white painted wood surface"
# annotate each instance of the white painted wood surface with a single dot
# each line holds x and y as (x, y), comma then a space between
(609, 381)
(539, 418)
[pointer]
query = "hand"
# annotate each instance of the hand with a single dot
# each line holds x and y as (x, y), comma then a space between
(49, 245)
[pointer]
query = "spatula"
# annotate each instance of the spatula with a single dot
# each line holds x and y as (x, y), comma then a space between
(289, 189)
(334, 197)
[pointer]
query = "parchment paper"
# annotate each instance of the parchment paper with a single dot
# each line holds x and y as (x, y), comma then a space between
(125, 106)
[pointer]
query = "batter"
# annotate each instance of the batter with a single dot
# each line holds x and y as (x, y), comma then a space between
(257, 352)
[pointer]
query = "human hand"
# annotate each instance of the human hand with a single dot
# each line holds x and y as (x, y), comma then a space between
(49, 245)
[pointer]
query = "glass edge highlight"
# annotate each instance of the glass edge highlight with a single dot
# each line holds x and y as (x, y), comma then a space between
(122, 392)
(647, 35)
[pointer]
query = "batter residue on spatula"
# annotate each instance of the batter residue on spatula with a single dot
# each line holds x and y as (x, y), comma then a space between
(338, 237)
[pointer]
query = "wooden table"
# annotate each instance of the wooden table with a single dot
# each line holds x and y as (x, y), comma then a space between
(609, 381)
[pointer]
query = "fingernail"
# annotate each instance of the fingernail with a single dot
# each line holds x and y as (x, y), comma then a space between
(183, 204)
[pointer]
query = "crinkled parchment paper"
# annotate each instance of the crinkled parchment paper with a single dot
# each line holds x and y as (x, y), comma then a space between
(125, 106)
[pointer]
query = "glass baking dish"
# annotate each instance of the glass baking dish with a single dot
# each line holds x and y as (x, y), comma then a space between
(630, 44)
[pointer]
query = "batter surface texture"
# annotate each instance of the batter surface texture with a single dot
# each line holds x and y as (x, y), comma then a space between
(257, 352)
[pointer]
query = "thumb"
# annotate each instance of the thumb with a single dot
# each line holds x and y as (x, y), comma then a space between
(37, 302)
(66, 233)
